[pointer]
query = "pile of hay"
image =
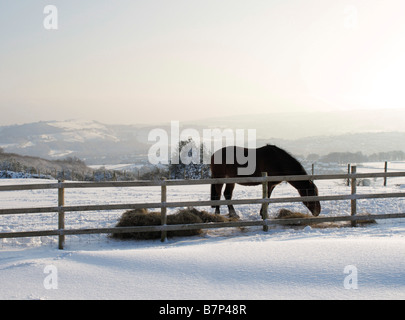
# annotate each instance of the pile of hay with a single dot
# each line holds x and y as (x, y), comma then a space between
(365, 222)
(287, 214)
(141, 217)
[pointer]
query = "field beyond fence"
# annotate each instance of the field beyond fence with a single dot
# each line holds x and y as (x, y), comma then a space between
(61, 232)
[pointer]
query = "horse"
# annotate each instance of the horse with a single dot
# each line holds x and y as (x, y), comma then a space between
(271, 159)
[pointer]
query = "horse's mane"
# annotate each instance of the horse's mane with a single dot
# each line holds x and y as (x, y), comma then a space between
(287, 157)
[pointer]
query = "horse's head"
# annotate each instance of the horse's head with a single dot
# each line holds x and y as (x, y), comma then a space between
(313, 206)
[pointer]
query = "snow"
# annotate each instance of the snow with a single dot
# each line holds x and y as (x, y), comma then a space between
(81, 130)
(27, 144)
(283, 263)
(76, 124)
(120, 167)
(291, 265)
(59, 153)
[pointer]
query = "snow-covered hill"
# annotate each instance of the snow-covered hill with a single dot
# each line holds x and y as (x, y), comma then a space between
(99, 144)
(91, 141)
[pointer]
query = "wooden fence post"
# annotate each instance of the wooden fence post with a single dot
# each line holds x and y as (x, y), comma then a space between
(61, 213)
(385, 170)
(163, 210)
(353, 201)
(348, 172)
(265, 206)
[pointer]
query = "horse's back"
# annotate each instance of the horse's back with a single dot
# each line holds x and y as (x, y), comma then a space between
(225, 162)
(270, 158)
(219, 162)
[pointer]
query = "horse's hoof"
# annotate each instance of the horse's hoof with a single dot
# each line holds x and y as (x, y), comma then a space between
(233, 215)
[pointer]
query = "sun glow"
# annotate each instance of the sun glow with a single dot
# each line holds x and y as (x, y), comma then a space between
(359, 68)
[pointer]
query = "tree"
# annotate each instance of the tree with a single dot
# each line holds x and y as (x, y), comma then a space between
(188, 161)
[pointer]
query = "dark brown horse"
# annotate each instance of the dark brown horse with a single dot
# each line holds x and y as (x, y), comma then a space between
(270, 159)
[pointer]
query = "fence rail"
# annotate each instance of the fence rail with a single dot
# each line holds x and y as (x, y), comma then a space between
(147, 183)
(61, 209)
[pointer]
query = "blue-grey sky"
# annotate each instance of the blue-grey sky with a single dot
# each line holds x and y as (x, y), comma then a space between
(130, 61)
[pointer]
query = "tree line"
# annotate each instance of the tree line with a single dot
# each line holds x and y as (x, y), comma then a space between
(349, 157)
(73, 168)
(70, 168)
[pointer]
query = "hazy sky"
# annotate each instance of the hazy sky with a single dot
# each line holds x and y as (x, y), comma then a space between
(128, 61)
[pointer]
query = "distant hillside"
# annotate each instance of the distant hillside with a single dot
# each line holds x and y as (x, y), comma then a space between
(300, 125)
(35, 165)
(91, 141)
(302, 134)
(67, 169)
(367, 143)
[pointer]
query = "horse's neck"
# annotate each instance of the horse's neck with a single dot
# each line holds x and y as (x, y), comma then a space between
(301, 186)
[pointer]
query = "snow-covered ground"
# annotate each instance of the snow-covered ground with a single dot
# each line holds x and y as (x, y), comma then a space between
(283, 263)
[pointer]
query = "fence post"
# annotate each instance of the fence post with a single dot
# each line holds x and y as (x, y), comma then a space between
(163, 210)
(385, 170)
(348, 172)
(353, 201)
(265, 206)
(61, 213)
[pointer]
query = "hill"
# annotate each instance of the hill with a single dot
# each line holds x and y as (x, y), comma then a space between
(301, 134)
(17, 166)
(11, 162)
(367, 143)
(91, 141)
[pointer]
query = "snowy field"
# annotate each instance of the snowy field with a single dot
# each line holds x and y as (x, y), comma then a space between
(283, 263)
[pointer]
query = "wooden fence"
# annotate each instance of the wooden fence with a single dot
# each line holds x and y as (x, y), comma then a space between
(61, 208)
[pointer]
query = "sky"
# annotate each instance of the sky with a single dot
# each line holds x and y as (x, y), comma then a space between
(131, 62)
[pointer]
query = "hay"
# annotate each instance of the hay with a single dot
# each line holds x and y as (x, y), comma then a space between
(206, 216)
(287, 214)
(365, 221)
(138, 217)
(141, 217)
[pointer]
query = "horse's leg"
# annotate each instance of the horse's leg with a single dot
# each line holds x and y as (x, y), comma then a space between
(216, 190)
(228, 196)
